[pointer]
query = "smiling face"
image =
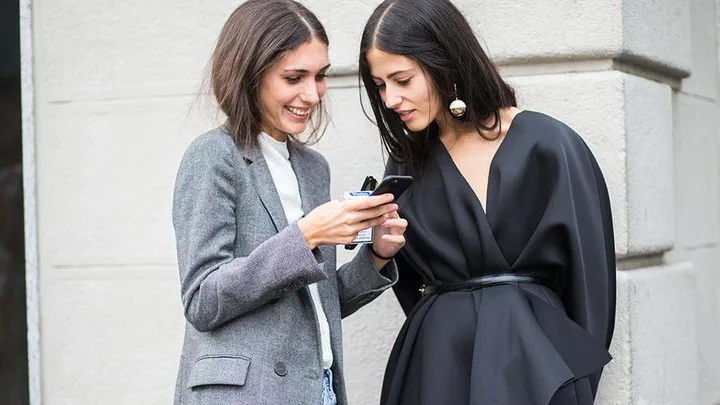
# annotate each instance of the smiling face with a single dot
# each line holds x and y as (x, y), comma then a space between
(405, 89)
(292, 88)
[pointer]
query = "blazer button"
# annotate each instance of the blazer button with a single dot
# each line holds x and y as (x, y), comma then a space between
(280, 369)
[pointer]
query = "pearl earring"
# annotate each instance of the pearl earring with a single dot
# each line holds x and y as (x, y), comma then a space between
(457, 107)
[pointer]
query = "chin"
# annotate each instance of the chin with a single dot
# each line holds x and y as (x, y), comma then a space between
(416, 127)
(294, 129)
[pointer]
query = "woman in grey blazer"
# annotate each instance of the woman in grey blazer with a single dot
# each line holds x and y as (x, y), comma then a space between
(256, 230)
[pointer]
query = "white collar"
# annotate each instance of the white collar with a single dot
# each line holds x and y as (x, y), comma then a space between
(280, 147)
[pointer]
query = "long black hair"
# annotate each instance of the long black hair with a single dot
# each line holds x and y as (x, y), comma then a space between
(436, 35)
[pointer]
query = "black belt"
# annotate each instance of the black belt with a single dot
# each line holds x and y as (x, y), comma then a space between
(485, 281)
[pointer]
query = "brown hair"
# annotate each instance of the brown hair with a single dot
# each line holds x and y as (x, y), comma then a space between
(258, 34)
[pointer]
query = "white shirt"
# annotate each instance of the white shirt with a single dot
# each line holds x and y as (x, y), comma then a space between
(277, 157)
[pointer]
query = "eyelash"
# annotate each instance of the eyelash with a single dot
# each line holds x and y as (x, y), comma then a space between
(400, 82)
(296, 79)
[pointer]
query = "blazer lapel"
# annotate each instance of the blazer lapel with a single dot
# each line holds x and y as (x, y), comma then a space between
(264, 185)
(309, 178)
(313, 192)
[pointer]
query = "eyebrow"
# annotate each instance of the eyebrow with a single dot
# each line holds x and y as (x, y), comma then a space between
(305, 70)
(393, 74)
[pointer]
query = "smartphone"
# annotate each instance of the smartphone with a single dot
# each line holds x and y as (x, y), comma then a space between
(396, 185)
(368, 185)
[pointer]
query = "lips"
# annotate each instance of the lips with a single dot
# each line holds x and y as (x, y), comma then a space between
(405, 115)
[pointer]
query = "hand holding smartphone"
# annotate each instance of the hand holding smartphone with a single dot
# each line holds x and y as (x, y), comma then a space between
(394, 184)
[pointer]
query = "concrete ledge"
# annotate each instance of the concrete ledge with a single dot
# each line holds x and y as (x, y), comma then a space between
(652, 34)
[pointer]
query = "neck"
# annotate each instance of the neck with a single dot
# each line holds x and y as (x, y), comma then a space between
(450, 129)
(276, 135)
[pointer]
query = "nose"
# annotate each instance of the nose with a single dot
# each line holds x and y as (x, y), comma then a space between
(311, 95)
(392, 98)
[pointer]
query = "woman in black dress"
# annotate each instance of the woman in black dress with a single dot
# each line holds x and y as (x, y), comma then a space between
(508, 273)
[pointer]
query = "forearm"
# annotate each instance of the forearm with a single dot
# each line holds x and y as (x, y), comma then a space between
(363, 279)
(214, 293)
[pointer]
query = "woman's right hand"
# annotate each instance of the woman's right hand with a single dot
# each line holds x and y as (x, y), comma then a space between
(337, 223)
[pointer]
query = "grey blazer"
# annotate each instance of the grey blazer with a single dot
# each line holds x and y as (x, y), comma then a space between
(251, 334)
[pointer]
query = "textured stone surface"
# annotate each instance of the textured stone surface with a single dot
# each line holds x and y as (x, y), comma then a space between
(654, 346)
(112, 328)
(111, 100)
(707, 313)
(696, 171)
(654, 33)
(703, 79)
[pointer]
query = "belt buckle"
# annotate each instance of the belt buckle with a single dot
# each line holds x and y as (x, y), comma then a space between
(422, 290)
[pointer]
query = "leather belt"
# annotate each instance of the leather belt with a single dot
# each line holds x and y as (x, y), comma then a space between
(485, 281)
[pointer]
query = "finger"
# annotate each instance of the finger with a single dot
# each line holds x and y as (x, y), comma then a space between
(396, 239)
(381, 212)
(385, 210)
(370, 202)
(372, 222)
(399, 224)
(390, 228)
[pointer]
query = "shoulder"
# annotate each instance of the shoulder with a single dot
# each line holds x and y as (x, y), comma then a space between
(211, 145)
(549, 134)
(213, 153)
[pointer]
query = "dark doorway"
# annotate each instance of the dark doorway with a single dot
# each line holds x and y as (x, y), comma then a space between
(13, 328)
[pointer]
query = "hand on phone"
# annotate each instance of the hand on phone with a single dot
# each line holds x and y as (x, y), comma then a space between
(337, 223)
(389, 237)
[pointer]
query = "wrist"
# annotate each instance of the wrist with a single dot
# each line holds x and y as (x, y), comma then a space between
(307, 233)
(378, 263)
(378, 256)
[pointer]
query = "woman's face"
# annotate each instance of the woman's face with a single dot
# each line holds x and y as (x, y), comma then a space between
(405, 89)
(292, 88)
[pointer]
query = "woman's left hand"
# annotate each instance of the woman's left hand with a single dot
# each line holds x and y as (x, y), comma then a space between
(388, 238)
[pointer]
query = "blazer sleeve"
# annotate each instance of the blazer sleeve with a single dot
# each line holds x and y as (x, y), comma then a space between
(216, 286)
(359, 282)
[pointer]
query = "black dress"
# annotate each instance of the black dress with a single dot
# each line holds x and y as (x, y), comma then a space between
(548, 214)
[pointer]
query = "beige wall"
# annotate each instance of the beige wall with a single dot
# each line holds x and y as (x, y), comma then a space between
(111, 116)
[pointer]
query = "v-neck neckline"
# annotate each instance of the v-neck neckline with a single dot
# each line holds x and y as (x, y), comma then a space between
(446, 152)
